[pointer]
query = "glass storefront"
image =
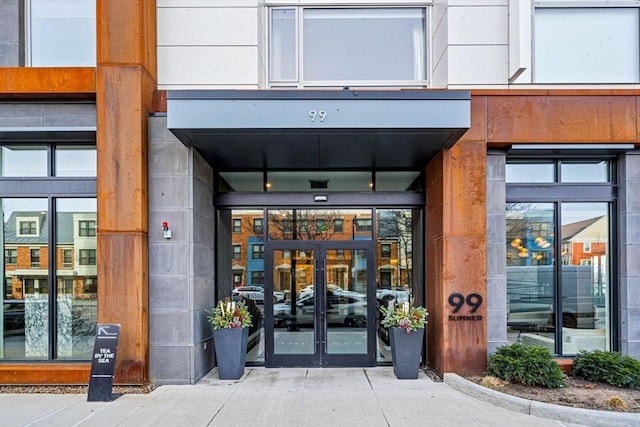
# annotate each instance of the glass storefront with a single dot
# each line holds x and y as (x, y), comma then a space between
(559, 262)
(49, 268)
(327, 273)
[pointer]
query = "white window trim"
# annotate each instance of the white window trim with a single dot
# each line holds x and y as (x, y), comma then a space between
(22, 219)
(354, 4)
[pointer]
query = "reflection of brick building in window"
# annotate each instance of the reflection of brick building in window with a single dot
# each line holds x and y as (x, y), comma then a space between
(393, 252)
(584, 242)
(27, 255)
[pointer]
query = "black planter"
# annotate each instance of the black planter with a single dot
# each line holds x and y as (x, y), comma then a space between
(406, 349)
(231, 352)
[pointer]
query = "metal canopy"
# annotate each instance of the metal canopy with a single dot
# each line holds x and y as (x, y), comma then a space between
(323, 129)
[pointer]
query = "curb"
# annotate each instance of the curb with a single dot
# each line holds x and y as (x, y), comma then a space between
(587, 417)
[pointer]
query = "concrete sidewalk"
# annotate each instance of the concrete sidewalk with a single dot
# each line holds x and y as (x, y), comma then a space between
(367, 397)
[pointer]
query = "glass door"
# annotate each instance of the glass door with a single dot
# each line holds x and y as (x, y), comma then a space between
(323, 308)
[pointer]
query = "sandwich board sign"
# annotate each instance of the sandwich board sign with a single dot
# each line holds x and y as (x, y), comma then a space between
(103, 363)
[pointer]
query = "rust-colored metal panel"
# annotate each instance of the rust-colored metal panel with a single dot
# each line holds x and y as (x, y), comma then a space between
(127, 33)
(464, 284)
(123, 299)
(160, 101)
(46, 373)
(456, 259)
(562, 119)
(122, 149)
(478, 129)
(465, 189)
(48, 81)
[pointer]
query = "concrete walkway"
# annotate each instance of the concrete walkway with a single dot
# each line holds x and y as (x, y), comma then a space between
(367, 397)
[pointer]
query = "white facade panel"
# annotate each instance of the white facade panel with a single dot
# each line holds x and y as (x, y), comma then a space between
(208, 3)
(207, 65)
(439, 78)
(481, 65)
(478, 2)
(207, 26)
(483, 25)
(438, 49)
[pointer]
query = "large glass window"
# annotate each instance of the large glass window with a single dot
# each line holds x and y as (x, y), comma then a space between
(587, 45)
(25, 307)
(76, 296)
(347, 46)
(559, 290)
(49, 242)
(62, 33)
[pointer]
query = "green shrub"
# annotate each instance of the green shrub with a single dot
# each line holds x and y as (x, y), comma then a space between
(531, 365)
(609, 367)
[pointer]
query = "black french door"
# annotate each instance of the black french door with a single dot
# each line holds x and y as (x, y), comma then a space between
(323, 311)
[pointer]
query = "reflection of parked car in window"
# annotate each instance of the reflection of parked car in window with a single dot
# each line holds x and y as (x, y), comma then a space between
(348, 309)
(531, 301)
(255, 293)
(13, 317)
(398, 295)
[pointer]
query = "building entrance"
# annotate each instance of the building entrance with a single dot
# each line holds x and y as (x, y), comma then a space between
(324, 308)
(314, 279)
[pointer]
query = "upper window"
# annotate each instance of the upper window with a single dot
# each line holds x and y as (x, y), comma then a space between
(27, 227)
(62, 33)
(87, 257)
(257, 225)
(587, 45)
(87, 228)
(11, 256)
(566, 171)
(33, 160)
(347, 46)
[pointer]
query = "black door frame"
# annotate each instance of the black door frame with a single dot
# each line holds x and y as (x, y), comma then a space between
(320, 357)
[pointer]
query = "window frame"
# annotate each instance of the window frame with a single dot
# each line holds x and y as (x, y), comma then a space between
(236, 252)
(548, 5)
(29, 40)
(34, 257)
(257, 251)
(11, 256)
(87, 255)
(559, 193)
(86, 228)
(300, 82)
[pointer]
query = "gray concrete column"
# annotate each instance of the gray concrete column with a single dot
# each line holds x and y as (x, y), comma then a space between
(12, 33)
(496, 252)
(181, 269)
(629, 253)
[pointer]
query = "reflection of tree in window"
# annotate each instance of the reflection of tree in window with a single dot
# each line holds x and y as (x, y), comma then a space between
(301, 224)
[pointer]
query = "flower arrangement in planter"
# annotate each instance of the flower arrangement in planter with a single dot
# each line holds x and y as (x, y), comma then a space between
(406, 325)
(231, 321)
(230, 315)
(404, 316)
